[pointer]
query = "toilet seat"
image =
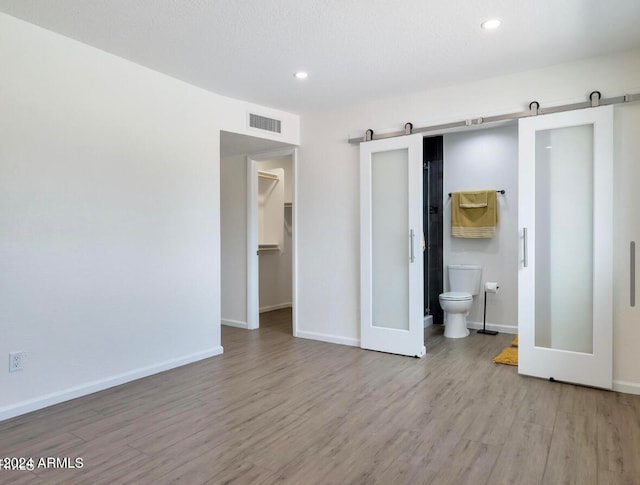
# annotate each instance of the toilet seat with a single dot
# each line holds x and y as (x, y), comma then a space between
(456, 296)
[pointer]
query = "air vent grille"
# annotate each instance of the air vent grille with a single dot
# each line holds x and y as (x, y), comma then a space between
(264, 123)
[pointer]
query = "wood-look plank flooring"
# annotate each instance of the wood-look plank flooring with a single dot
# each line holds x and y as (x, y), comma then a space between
(275, 409)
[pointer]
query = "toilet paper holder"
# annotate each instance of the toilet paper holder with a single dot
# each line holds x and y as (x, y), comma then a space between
(489, 287)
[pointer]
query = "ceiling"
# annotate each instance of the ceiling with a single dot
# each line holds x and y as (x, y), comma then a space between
(354, 50)
(235, 144)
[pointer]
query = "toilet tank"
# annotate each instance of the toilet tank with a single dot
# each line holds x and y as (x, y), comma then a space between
(464, 277)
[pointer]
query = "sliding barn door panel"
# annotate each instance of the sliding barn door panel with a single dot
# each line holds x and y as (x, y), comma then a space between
(565, 215)
(391, 245)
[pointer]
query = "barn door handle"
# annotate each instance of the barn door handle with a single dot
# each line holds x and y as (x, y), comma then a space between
(412, 237)
(632, 273)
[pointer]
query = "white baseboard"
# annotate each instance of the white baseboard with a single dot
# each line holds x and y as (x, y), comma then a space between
(271, 308)
(102, 384)
(494, 326)
(626, 387)
(428, 321)
(333, 339)
(234, 323)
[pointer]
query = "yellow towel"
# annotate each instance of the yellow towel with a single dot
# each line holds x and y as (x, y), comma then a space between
(469, 200)
(515, 342)
(474, 222)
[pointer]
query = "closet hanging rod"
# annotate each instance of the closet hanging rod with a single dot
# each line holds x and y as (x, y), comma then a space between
(595, 99)
(501, 191)
(268, 175)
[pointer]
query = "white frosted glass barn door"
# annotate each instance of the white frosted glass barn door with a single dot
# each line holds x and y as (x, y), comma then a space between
(565, 276)
(391, 245)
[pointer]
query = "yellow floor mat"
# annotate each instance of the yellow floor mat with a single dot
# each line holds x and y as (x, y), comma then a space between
(515, 342)
(508, 356)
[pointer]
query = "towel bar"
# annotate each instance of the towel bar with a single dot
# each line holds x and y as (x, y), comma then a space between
(502, 191)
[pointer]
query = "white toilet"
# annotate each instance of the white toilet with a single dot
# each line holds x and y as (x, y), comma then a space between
(464, 284)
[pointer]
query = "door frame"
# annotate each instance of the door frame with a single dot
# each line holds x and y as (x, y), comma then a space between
(253, 275)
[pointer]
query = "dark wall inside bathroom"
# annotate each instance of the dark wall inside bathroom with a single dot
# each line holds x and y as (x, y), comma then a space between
(433, 203)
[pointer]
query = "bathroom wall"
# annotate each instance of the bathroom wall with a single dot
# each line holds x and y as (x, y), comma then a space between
(486, 159)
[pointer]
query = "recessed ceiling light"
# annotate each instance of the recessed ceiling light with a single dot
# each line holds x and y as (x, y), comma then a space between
(491, 24)
(301, 75)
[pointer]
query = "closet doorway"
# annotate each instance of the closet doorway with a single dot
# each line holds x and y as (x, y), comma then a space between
(258, 266)
(271, 230)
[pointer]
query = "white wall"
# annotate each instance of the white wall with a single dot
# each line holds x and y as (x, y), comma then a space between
(233, 232)
(328, 257)
(109, 217)
(486, 159)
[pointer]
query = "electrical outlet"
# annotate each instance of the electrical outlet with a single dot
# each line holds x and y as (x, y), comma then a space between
(16, 361)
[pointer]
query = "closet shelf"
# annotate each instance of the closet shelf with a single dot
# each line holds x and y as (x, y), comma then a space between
(268, 247)
(288, 205)
(268, 175)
